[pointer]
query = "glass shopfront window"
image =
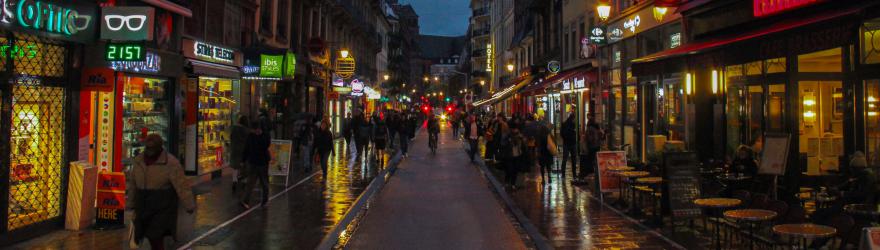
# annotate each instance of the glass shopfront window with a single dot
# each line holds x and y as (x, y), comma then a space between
(872, 121)
(145, 111)
(870, 42)
(672, 108)
(217, 106)
(821, 61)
(821, 109)
(617, 94)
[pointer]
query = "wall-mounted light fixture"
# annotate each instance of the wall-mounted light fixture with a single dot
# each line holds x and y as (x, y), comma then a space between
(688, 84)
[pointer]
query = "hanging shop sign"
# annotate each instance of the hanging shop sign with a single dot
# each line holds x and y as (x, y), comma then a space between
(97, 79)
(125, 52)
(127, 23)
(372, 94)
(488, 57)
(152, 63)
(250, 69)
(338, 81)
(53, 18)
(675, 40)
(270, 65)
(763, 8)
(639, 21)
(345, 66)
(357, 87)
(211, 53)
(290, 65)
(554, 67)
(597, 35)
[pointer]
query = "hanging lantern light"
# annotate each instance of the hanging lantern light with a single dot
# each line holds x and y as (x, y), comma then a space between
(603, 9)
(659, 13)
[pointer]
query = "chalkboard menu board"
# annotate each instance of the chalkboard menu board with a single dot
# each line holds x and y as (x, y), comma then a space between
(682, 175)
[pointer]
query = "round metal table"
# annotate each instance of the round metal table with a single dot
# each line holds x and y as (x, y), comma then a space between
(717, 203)
(804, 231)
(632, 175)
(654, 183)
(751, 217)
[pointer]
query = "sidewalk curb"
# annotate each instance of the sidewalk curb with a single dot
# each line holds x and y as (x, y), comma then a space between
(537, 238)
(361, 205)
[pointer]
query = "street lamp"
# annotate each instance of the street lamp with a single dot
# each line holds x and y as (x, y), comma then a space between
(436, 78)
(510, 67)
(426, 79)
(482, 82)
(343, 53)
(441, 92)
(414, 91)
(386, 76)
(603, 9)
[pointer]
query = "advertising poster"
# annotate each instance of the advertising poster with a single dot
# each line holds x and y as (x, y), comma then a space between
(110, 200)
(280, 151)
(607, 159)
(775, 154)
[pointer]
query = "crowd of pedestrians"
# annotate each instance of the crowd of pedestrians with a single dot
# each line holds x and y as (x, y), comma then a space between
(522, 143)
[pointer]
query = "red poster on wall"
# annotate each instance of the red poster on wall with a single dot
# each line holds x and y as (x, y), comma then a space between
(607, 159)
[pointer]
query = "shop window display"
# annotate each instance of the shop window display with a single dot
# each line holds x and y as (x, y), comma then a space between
(37, 148)
(217, 105)
(145, 112)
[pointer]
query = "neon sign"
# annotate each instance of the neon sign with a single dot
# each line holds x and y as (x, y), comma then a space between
(127, 23)
(15, 51)
(151, 64)
(770, 7)
(41, 16)
(488, 58)
(631, 24)
(213, 52)
(125, 52)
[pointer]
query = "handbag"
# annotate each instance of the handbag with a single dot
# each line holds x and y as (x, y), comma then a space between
(551, 146)
(132, 242)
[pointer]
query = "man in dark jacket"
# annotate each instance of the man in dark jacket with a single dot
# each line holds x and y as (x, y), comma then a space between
(472, 131)
(257, 157)
(569, 145)
(324, 144)
(363, 132)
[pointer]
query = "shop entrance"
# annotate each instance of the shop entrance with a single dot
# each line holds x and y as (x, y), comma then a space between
(821, 124)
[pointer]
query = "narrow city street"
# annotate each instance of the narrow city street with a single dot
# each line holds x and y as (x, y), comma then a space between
(436, 201)
(295, 219)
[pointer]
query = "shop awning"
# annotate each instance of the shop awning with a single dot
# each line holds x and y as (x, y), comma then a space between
(506, 93)
(772, 41)
(540, 86)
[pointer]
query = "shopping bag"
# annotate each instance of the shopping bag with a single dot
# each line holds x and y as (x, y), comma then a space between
(132, 242)
(551, 146)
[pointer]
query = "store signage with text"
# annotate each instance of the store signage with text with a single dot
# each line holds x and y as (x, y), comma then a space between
(635, 23)
(127, 23)
(357, 87)
(769, 7)
(54, 18)
(597, 35)
(151, 64)
(125, 52)
(579, 83)
(97, 79)
(270, 65)
(290, 65)
(488, 57)
(16, 51)
(213, 53)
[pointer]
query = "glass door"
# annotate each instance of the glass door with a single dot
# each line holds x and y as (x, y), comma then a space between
(821, 108)
(872, 121)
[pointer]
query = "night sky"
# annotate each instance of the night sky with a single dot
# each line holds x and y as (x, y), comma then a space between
(442, 17)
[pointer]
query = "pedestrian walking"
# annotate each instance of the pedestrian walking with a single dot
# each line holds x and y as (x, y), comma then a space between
(403, 134)
(594, 137)
(513, 151)
(472, 131)
(324, 144)
(545, 146)
(346, 129)
(392, 123)
(307, 143)
(569, 145)
(154, 186)
(257, 157)
(380, 137)
(584, 156)
(237, 142)
(362, 136)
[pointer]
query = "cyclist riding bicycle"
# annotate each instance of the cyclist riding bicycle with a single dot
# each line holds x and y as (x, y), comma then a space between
(433, 131)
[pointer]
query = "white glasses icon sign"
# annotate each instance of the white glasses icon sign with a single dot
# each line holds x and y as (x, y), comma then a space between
(133, 22)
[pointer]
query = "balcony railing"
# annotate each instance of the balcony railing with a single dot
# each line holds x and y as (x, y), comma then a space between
(481, 31)
(479, 52)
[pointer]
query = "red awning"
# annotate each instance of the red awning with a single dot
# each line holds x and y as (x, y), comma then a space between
(716, 43)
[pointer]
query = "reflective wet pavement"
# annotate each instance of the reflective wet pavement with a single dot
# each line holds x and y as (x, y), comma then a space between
(436, 202)
(297, 219)
(570, 219)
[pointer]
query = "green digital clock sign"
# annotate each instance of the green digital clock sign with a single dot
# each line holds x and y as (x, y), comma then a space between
(125, 52)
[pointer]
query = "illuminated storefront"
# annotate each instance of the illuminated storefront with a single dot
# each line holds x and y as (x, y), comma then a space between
(212, 105)
(809, 72)
(266, 75)
(35, 103)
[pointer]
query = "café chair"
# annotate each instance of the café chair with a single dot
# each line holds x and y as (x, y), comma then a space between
(759, 201)
(844, 225)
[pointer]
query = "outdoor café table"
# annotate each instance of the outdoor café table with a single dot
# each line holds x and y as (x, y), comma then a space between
(654, 183)
(751, 217)
(631, 175)
(615, 170)
(821, 198)
(717, 203)
(804, 231)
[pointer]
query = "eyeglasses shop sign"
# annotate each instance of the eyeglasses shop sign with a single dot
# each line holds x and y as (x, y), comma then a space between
(52, 18)
(127, 23)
